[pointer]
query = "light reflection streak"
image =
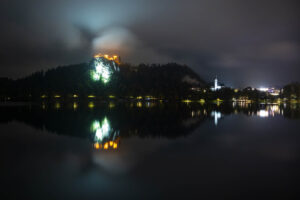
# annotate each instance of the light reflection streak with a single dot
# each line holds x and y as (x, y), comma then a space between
(217, 115)
(270, 110)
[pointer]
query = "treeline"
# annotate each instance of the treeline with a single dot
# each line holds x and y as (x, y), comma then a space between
(169, 81)
(164, 81)
(292, 91)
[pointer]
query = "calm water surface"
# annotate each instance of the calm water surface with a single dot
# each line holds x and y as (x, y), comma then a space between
(146, 150)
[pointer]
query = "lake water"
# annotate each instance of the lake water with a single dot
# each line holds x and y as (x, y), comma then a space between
(146, 150)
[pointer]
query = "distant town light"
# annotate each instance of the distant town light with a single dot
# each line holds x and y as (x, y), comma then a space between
(263, 89)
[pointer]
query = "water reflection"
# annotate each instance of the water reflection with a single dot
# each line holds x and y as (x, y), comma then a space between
(216, 115)
(270, 111)
(109, 121)
(139, 144)
(105, 137)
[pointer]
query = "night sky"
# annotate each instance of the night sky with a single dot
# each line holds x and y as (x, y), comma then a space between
(244, 43)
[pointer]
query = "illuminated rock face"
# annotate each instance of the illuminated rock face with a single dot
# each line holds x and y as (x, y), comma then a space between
(103, 69)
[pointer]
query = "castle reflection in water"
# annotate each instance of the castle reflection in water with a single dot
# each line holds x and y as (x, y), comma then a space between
(105, 137)
(105, 124)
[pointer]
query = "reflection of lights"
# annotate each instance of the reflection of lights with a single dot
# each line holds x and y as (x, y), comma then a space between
(115, 146)
(274, 108)
(91, 105)
(97, 145)
(105, 137)
(234, 104)
(202, 101)
(102, 130)
(217, 115)
(193, 113)
(111, 105)
(139, 104)
(270, 110)
(263, 113)
(75, 105)
(57, 105)
(57, 96)
(105, 146)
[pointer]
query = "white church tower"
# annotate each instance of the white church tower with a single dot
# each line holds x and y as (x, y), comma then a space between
(216, 85)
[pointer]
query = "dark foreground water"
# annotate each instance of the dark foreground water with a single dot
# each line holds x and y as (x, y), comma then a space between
(145, 150)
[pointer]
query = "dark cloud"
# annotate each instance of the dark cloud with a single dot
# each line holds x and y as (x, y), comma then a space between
(243, 42)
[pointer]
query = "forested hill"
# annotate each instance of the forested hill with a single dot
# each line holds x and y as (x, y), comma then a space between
(168, 81)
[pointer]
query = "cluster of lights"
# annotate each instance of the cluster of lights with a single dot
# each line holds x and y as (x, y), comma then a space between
(105, 137)
(114, 58)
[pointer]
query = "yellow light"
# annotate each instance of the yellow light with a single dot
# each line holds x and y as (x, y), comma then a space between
(105, 146)
(57, 105)
(139, 97)
(75, 96)
(57, 96)
(44, 96)
(186, 101)
(111, 105)
(115, 145)
(97, 146)
(111, 143)
(75, 105)
(91, 96)
(111, 96)
(139, 104)
(91, 105)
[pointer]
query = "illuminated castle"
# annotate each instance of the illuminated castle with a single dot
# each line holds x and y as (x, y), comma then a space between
(114, 58)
